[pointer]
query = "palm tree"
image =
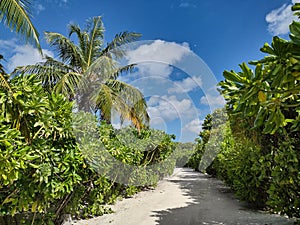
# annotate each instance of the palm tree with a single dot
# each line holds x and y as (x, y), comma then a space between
(15, 14)
(88, 72)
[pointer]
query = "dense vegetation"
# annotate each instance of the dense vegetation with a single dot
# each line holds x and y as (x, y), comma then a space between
(44, 174)
(49, 166)
(258, 147)
(87, 71)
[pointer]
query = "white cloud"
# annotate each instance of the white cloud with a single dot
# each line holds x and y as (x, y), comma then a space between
(60, 3)
(169, 108)
(157, 57)
(186, 85)
(279, 19)
(26, 55)
(194, 126)
(187, 5)
(7, 44)
(21, 55)
(213, 101)
(39, 8)
(154, 69)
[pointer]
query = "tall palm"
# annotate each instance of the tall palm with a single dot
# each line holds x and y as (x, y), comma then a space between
(15, 14)
(88, 72)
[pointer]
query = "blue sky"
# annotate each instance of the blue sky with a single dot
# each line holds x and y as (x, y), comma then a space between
(221, 33)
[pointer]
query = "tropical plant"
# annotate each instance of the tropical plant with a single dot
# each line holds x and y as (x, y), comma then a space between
(208, 141)
(264, 110)
(88, 72)
(44, 174)
(16, 15)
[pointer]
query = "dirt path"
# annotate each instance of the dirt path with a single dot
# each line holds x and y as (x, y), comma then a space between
(186, 198)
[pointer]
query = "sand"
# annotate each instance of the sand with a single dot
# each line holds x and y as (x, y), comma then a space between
(185, 198)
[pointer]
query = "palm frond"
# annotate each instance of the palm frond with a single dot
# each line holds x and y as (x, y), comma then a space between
(1, 66)
(103, 100)
(15, 14)
(95, 28)
(68, 52)
(124, 69)
(55, 76)
(4, 83)
(115, 46)
(81, 35)
(69, 83)
(129, 102)
(102, 69)
(43, 67)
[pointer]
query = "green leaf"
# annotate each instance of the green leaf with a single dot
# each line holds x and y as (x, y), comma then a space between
(247, 72)
(232, 76)
(260, 118)
(267, 49)
(8, 200)
(34, 206)
(295, 29)
(262, 96)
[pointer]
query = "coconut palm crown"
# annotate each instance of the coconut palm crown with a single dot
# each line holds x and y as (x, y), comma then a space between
(87, 71)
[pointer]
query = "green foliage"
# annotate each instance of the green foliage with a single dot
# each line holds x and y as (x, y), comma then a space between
(184, 153)
(39, 155)
(242, 166)
(87, 71)
(143, 156)
(45, 174)
(263, 105)
(285, 185)
(208, 143)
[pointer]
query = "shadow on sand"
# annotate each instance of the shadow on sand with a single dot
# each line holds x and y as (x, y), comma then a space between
(213, 203)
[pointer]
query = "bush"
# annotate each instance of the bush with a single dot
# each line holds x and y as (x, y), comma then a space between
(284, 195)
(46, 174)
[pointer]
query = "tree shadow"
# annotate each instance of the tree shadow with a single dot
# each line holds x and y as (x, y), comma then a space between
(213, 204)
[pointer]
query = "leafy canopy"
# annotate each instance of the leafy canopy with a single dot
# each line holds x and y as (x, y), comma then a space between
(88, 70)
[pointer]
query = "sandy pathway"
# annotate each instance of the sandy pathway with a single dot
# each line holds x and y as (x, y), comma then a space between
(186, 198)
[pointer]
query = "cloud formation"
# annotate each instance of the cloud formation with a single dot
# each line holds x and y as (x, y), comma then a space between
(157, 57)
(214, 101)
(38, 8)
(170, 75)
(21, 54)
(187, 5)
(169, 108)
(194, 126)
(279, 19)
(185, 85)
